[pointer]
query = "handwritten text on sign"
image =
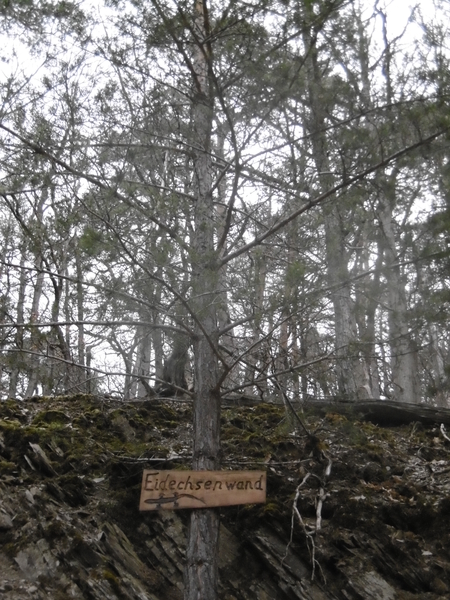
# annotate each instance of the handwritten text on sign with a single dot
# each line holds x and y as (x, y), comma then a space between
(201, 489)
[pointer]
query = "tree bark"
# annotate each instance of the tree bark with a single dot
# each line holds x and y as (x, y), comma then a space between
(81, 343)
(17, 365)
(143, 361)
(404, 362)
(256, 359)
(35, 340)
(201, 575)
(352, 380)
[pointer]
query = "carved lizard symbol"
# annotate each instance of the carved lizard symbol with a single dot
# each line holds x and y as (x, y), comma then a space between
(168, 500)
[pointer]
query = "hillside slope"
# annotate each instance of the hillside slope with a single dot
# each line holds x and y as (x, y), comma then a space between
(70, 474)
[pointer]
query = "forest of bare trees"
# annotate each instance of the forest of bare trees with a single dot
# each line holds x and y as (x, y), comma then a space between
(259, 188)
(315, 134)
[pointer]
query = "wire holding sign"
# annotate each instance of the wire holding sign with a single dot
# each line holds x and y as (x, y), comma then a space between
(201, 489)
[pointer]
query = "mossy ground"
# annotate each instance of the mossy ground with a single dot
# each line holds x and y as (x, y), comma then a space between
(388, 486)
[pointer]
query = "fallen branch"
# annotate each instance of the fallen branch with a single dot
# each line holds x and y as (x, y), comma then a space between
(296, 512)
(323, 495)
(442, 429)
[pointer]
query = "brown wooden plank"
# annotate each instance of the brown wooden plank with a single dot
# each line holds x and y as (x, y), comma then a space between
(201, 489)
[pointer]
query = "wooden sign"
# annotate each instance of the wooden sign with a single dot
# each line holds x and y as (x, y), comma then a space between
(201, 489)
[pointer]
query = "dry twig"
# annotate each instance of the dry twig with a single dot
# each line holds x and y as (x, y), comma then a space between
(444, 433)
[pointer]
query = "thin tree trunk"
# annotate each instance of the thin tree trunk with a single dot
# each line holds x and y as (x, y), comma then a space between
(81, 344)
(437, 367)
(351, 376)
(367, 299)
(60, 345)
(228, 340)
(18, 363)
(89, 383)
(201, 574)
(257, 362)
(143, 361)
(404, 362)
(35, 345)
(157, 337)
(284, 358)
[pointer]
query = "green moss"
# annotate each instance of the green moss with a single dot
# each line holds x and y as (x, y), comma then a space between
(57, 594)
(255, 437)
(285, 427)
(7, 467)
(12, 410)
(112, 579)
(374, 450)
(57, 530)
(10, 424)
(11, 549)
(335, 418)
(264, 409)
(181, 467)
(230, 432)
(47, 417)
(9, 405)
(271, 508)
(354, 434)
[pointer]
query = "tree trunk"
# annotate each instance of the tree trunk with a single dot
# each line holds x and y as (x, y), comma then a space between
(61, 379)
(257, 360)
(201, 575)
(228, 341)
(35, 341)
(437, 368)
(351, 377)
(404, 363)
(367, 292)
(17, 365)
(143, 361)
(81, 344)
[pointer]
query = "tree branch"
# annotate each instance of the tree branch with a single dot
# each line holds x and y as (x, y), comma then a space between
(316, 201)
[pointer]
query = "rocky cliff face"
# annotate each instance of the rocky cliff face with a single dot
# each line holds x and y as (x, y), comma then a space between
(355, 511)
